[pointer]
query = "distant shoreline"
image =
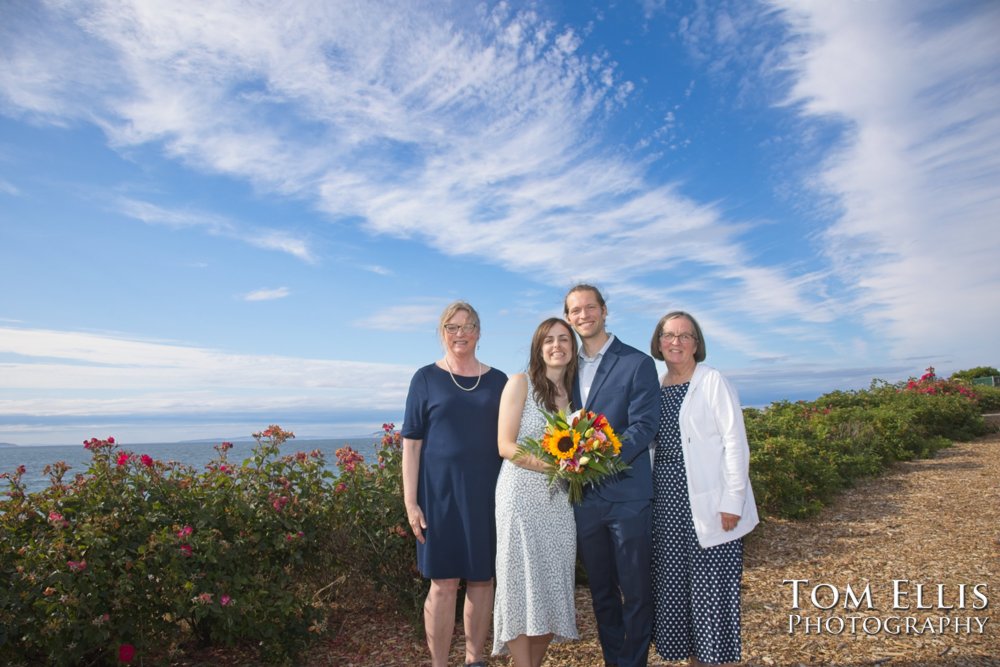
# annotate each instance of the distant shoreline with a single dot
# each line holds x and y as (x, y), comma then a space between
(197, 441)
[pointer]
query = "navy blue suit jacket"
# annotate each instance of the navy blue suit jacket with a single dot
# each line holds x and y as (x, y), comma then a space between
(626, 390)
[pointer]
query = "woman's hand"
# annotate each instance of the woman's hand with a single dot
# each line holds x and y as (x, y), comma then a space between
(532, 462)
(415, 517)
(729, 521)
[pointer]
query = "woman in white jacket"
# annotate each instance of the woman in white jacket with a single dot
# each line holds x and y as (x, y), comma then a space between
(703, 504)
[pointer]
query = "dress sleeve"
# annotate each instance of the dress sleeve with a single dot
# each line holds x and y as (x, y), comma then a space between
(415, 415)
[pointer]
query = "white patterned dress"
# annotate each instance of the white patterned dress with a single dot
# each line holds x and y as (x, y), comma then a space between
(536, 550)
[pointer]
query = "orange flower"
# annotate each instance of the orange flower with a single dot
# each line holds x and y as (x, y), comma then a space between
(616, 444)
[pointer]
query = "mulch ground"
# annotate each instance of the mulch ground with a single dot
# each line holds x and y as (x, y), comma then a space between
(934, 523)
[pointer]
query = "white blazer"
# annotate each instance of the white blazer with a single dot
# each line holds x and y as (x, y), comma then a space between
(716, 457)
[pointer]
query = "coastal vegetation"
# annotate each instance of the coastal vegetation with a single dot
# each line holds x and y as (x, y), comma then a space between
(138, 560)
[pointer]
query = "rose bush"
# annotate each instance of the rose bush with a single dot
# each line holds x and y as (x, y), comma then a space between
(136, 557)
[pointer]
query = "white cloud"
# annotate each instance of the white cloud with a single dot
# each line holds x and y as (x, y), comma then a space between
(152, 214)
(497, 125)
(484, 140)
(652, 7)
(378, 270)
(216, 225)
(916, 176)
(411, 317)
(283, 242)
(65, 373)
(267, 294)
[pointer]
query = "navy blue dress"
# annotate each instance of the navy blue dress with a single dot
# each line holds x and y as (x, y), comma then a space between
(696, 591)
(459, 464)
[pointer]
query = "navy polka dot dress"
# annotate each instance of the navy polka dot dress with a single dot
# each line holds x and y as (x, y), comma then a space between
(696, 591)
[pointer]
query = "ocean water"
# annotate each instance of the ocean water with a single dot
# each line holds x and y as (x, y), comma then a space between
(196, 454)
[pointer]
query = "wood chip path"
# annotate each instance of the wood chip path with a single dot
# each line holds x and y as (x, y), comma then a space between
(934, 522)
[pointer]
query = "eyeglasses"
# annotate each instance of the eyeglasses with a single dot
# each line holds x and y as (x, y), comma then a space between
(682, 337)
(455, 328)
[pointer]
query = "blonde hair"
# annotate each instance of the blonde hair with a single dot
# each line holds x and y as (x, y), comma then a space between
(453, 308)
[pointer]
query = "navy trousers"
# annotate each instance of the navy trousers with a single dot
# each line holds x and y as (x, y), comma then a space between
(614, 542)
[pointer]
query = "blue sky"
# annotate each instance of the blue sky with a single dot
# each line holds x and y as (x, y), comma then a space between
(218, 215)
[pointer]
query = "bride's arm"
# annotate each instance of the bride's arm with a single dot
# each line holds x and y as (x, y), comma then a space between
(511, 406)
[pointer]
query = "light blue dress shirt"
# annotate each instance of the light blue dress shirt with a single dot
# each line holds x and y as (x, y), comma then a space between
(588, 368)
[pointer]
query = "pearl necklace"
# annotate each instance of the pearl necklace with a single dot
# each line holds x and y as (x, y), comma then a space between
(456, 381)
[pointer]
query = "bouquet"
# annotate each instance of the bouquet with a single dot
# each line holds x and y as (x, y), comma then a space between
(581, 449)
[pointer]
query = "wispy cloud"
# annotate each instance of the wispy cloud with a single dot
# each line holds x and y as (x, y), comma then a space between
(652, 7)
(484, 136)
(282, 242)
(267, 294)
(479, 141)
(378, 270)
(216, 225)
(175, 219)
(411, 317)
(915, 179)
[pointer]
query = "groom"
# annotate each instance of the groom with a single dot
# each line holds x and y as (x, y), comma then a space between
(614, 520)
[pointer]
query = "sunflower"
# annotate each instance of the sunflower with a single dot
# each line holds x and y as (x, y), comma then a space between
(561, 443)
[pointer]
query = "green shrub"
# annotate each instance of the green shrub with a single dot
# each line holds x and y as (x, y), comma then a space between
(857, 443)
(987, 397)
(790, 478)
(971, 374)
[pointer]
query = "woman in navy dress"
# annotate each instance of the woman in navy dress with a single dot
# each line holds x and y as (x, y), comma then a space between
(703, 504)
(450, 468)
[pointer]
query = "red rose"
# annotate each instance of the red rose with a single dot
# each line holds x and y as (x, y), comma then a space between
(125, 653)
